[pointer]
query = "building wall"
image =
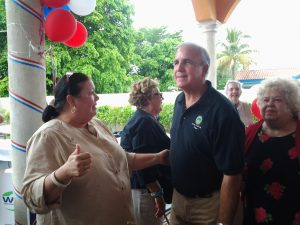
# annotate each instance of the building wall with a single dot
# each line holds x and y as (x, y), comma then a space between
(104, 99)
(248, 95)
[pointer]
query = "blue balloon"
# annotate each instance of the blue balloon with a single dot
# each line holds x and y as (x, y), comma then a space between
(47, 9)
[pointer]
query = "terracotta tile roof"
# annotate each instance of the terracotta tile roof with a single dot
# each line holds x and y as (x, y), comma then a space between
(262, 74)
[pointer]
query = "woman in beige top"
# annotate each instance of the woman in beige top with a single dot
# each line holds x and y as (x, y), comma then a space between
(76, 172)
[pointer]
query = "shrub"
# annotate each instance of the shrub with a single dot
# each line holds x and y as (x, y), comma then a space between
(114, 117)
(166, 116)
(5, 114)
(117, 117)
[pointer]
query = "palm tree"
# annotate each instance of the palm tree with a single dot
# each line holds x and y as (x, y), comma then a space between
(235, 53)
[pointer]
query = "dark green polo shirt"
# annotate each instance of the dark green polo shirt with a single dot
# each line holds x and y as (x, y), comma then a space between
(207, 141)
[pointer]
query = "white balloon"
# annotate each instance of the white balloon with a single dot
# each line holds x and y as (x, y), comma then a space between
(82, 7)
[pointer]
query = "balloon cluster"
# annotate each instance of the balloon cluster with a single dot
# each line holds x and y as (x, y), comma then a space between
(60, 24)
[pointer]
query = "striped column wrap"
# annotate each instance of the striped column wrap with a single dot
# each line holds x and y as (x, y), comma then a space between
(27, 87)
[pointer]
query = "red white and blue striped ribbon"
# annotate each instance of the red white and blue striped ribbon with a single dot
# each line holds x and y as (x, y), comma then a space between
(26, 62)
(18, 193)
(26, 102)
(18, 147)
(28, 9)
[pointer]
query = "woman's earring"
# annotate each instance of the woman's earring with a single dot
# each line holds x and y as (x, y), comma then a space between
(73, 110)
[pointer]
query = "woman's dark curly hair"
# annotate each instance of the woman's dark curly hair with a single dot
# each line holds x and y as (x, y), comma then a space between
(67, 85)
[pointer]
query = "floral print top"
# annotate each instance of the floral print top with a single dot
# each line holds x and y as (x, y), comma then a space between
(272, 181)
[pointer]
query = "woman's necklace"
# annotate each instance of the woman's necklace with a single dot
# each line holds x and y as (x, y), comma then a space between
(91, 130)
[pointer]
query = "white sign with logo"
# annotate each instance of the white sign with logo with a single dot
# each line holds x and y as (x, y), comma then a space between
(7, 199)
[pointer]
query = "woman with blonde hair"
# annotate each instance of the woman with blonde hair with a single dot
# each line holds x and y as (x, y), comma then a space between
(144, 134)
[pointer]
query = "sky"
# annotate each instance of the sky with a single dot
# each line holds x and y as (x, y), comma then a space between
(272, 24)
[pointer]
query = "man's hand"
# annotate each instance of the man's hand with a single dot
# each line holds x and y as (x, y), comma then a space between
(229, 196)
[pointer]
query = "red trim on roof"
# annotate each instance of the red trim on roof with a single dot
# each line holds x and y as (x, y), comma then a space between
(262, 74)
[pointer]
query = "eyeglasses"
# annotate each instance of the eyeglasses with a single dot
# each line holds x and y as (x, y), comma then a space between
(160, 94)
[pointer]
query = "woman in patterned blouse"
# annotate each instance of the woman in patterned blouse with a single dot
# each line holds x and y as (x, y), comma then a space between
(272, 159)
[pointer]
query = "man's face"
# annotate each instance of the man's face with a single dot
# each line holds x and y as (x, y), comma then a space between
(233, 92)
(188, 70)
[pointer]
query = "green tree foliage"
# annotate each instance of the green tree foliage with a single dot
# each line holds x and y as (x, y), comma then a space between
(115, 55)
(155, 50)
(3, 37)
(108, 51)
(223, 76)
(3, 52)
(235, 54)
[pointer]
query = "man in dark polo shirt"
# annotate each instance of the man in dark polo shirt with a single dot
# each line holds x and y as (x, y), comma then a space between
(207, 139)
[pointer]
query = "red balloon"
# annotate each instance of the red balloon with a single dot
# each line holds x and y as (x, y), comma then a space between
(60, 25)
(79, 37)
(255, 109)
(55, 3)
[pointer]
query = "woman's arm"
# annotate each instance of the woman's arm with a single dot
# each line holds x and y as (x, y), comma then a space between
(141, 161)
(77, 165)
(159, 202)
(39, 192)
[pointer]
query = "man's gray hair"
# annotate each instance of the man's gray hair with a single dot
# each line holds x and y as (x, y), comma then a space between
(232, 82)
(200, 50)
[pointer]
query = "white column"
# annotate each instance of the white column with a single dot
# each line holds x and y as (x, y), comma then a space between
(27, 87)
(210, 29)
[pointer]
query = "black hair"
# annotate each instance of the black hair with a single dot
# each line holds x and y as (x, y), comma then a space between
(67, 85)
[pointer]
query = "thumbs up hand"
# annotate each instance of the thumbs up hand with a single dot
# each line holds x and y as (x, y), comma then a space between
(77, 150)
(78, 163)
